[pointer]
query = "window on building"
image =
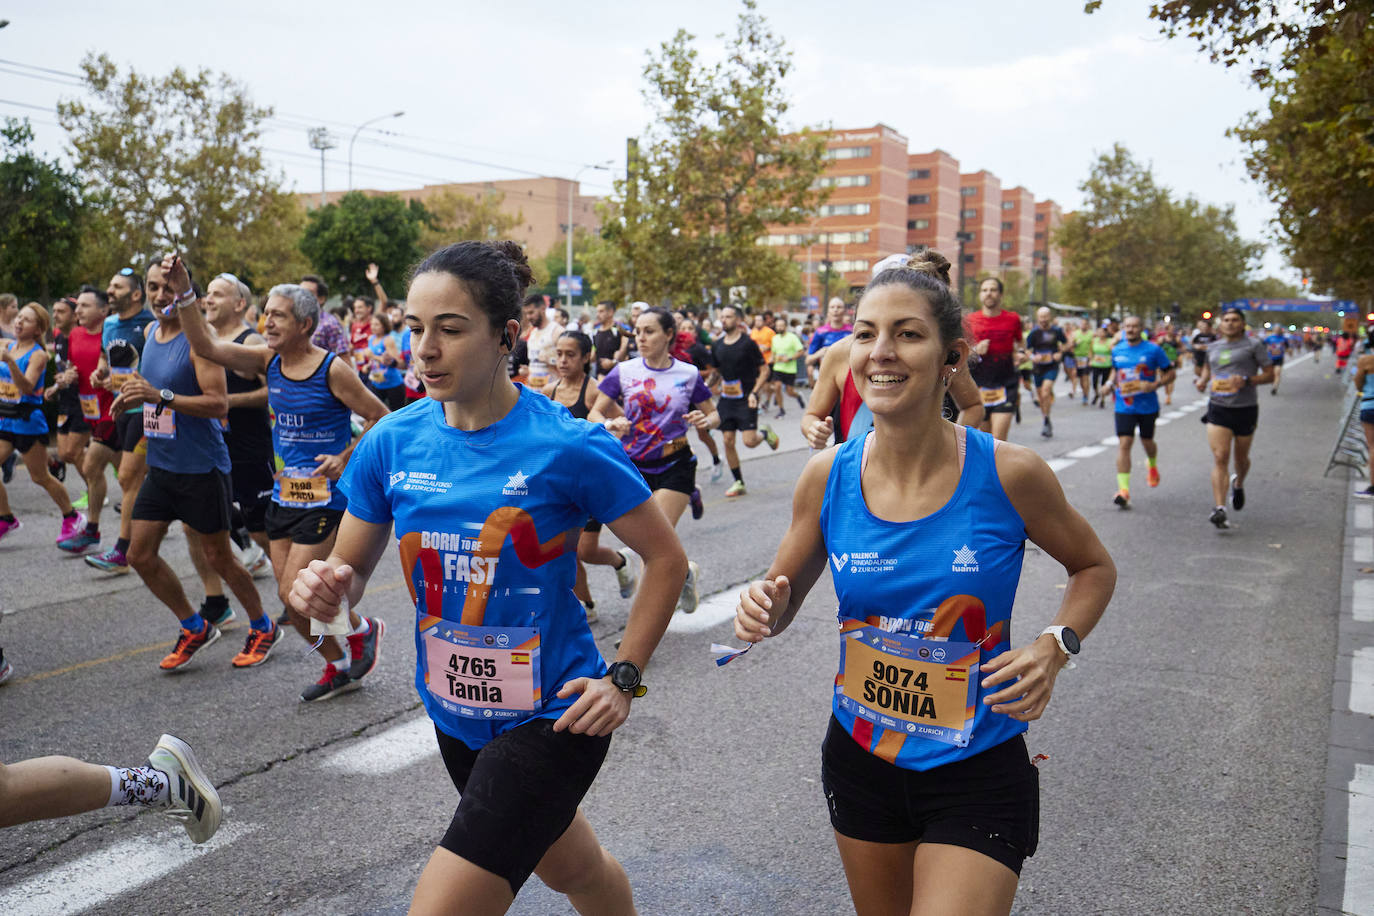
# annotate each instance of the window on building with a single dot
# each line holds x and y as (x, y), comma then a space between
(918, 174)
(843, 181)
(839, 265)
(970, 214)
(845, 210)
(1008, 205)
(972, 236)
(1039, 235)
(968, 192)
(912, 199)
(1008, 246)
(849, 152)
(968, 259)
(918, 224)
(1039, 217)
(1007, 227)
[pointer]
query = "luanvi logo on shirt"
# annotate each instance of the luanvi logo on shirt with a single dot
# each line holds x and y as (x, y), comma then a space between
(965, 560)
(516, 485)
(398, 477)
(839, 561)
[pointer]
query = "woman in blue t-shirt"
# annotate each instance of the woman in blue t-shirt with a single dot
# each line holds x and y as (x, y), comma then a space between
(931, 793)
(488, 485)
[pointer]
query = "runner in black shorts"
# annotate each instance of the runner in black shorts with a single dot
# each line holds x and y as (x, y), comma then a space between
(743, 373)
(1236, 364)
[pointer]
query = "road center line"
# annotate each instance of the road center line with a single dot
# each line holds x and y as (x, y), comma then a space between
(1086, 451)
(712, 610)
(387, 751)
(96, 877)
(1059, 464)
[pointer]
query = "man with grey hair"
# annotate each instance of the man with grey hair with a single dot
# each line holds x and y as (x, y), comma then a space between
(313, 393)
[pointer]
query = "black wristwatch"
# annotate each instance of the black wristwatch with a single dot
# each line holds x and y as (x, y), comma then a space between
(626, 676)
(164, 397)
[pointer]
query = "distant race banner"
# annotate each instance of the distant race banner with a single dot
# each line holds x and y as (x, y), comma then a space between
(1292, 305)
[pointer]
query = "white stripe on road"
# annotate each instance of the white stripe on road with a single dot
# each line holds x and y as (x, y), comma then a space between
(1059, 464)
(712, 610)
(1362, 600)
(1362, 681)
(1110, 440)
(386, 751)
(94, 878)
(1163, 421)
(1364, 517)
(1086, 451)
(1173, 415)
(1359, 862)
(1363, 550)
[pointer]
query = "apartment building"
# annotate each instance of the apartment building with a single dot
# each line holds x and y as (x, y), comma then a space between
(1017, 251)
(980, 202)
(1048, 217)
(932, 202)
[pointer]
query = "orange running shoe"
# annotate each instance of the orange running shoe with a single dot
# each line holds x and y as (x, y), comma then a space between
(257, 647)
(188, 644)
(1152, 475)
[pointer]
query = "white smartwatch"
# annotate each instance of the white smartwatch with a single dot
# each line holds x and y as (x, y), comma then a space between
(1068, 642)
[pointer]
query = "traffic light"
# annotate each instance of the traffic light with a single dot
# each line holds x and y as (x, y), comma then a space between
(1207, 316)
(1304, 282)
(1369, 317)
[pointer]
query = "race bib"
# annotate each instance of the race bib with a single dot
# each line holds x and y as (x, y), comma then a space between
(539, 379)
(1130, 387)
(159, 425)
(1226, 384)
(483, 672)
(303, 488)
(923, 687)
(992, 397)
(90, 406)
(377, 375)
(731, 389)
(1043, 358)
(119, 376)
(9, 391)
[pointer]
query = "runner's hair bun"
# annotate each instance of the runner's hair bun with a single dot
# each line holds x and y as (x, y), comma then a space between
(516, 255)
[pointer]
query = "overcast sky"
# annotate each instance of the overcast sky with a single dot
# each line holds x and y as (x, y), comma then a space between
(1031, 91)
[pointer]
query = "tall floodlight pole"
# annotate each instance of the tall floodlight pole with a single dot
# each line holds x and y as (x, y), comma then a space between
(321, 140)
(353, 139)
(605, 167)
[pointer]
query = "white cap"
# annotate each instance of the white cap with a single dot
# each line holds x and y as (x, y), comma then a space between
(891, 261)
(639, 305)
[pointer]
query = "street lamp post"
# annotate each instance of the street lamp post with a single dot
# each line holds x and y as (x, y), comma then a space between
(605, 167)
(320, 140)
(394, 114)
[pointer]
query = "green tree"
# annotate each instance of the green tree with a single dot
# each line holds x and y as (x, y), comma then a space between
(717, 168)
(342, 238)
(176, 163)
(457, 217)
(41, 214)
(554, 264)
(1270, 288)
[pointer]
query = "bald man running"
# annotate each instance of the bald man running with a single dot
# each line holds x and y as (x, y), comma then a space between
(1046, 343)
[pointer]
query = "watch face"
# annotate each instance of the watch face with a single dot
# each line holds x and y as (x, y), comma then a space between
(625, 675)
(1070, 640)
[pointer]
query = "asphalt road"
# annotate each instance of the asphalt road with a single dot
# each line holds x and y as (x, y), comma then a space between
(1186, 752)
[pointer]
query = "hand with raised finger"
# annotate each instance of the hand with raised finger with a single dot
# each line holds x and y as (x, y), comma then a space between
(320, 589)
(1029, 673)
(753, 614)
(600, 709)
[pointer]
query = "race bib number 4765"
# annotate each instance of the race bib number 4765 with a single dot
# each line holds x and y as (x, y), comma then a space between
(924, 687)
(483, 672)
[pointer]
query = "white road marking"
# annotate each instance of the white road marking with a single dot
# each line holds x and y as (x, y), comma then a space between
(1163, 421)
(1059, 464)
(712, 610)
(1110, 440)
(387, 751)
(1363, 550)
(96, 877)
(1359, 862)
(1362, 600)
(1173, 415)
(1364, 517)
(1086, 451)
(1362, 681)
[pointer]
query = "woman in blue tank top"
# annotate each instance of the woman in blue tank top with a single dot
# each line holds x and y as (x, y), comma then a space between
(923, 523)
(23, 428)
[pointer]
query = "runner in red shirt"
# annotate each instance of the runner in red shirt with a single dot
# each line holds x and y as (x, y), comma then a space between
(83, 358)
(994, 333)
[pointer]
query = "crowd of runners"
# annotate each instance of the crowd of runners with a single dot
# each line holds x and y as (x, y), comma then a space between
(491, 437)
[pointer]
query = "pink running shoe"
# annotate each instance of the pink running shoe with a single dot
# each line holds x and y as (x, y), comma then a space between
(7, 527)
(72, 526)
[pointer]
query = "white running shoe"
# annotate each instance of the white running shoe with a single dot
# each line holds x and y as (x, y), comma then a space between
(626, 575)
(717, 471)
(690, 599)
(195, 803)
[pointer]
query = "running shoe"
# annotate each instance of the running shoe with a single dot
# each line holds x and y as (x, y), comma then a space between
(6, 669)
(57, 469)
(79, 542)
(82, 502)
(261, 567)
(771, 436)
(626, 576)
(365, 648)
(590, 607)
(1218, 517)
(689, 600)
(736, 489)
(194, 801)
(7, 468)
(332, 683)
(1366, 493)
(223, 619)
(7, 527)
(717, 471)
(72, 527)
(698, 508)
(1122, 499)
(188, 644)
(111, 561)
(1047, 430)
(1152, 476)
(1237, 495)
(257, 647)
(780, 414)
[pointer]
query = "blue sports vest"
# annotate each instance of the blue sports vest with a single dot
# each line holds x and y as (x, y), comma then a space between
(950, 575)
(310, 422)
(198, 445)
(35, 424)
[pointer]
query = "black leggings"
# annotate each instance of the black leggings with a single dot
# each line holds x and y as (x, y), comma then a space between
(1100, 374)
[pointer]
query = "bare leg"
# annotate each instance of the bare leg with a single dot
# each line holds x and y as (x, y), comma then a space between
(1219, 440)
(48, 787)
(93, 472)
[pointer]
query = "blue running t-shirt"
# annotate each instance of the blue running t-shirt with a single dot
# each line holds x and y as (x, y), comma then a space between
(487, 523)
(1135, 366)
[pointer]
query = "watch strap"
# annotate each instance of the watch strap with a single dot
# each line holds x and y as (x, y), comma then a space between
(1058, 634)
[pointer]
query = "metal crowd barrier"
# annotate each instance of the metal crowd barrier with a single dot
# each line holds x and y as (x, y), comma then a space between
(1349, 450)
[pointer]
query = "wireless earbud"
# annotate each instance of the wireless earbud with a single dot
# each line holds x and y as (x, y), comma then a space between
(506, 341)
(952, 358)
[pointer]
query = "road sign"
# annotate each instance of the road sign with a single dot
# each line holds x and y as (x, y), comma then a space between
(570, 285)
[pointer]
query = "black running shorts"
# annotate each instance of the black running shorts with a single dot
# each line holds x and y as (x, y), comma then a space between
(520, 792)
(200, 500)
(680, 475)
(252, 487)
(1239, 420)
(300, 526)
(1126, 424)
(22, 442)
(989, 803)
(129, 430)
(736, 414)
